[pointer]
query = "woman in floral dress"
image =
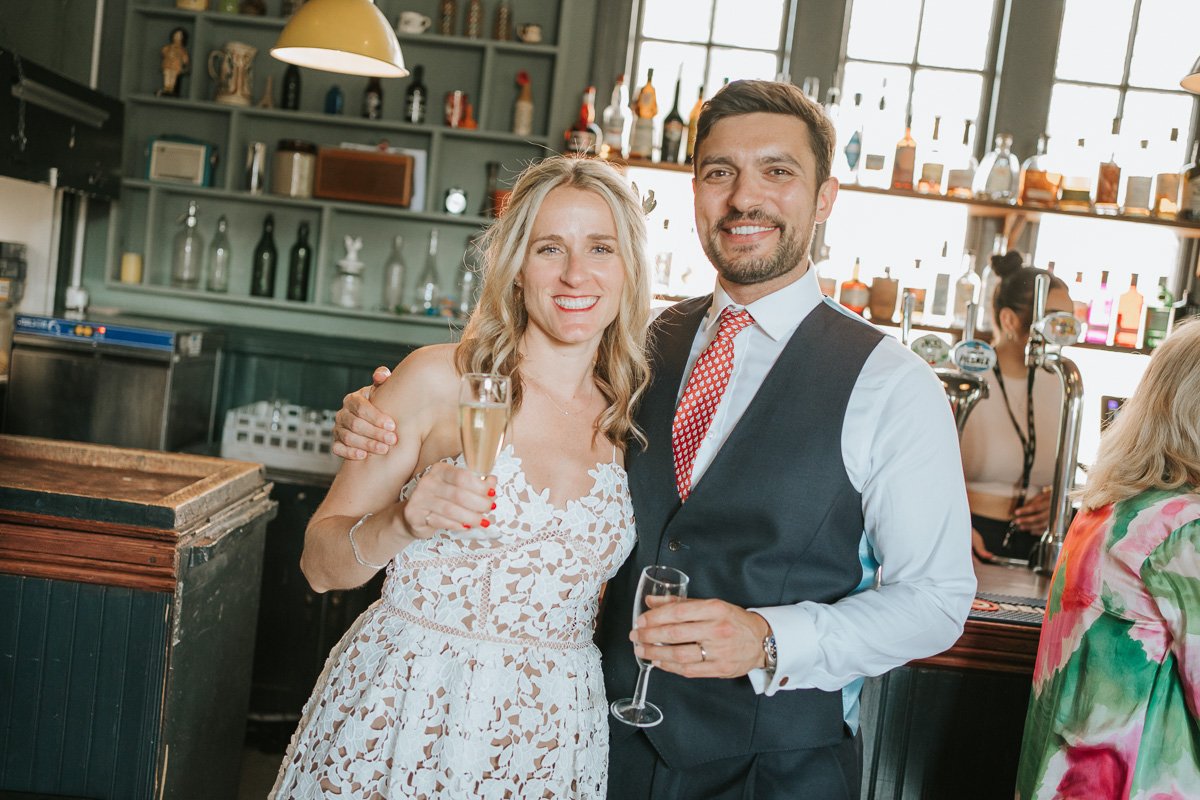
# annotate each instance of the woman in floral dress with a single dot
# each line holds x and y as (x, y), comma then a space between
(1115, 709)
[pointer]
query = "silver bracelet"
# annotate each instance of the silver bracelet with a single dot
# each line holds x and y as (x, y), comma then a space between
(354, 546)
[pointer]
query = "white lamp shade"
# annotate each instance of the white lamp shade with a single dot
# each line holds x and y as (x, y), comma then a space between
(347, 36)
(1192, 81)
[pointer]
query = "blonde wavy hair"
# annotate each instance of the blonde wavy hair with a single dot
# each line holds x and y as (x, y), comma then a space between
(492, 338)
(1154, 443)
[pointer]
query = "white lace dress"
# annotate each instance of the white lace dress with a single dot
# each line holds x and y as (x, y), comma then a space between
(474, 675)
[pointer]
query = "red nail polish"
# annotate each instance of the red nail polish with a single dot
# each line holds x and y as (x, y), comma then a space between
(491, 492)
(483, 523)
(493, 506)
(466, 526)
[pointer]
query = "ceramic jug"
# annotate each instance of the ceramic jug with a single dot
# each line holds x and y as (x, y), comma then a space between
(232, 68)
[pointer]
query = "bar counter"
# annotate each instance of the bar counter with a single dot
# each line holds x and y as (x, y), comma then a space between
(950, 726)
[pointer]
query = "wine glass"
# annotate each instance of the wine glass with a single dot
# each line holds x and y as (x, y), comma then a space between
(483, 406)
(655, 581)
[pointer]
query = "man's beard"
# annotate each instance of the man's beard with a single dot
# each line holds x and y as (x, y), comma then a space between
(788, 253)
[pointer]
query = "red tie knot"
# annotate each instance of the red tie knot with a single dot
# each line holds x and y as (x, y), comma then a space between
(733, 321)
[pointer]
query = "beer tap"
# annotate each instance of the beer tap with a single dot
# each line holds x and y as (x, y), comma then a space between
(1048, 334)
(961, 369)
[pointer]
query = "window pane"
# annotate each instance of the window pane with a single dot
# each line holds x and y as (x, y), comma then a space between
(1080, 112)
(1159, 61)
(737, 64)
(666, 59)
(883, 30)
(748, 23)
(953, 96)
(1151, 116)
(662, 20)
(1095, 34)
(867, 79)
(954, 33)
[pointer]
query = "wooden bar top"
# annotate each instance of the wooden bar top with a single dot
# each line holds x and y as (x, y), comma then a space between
(996, 645)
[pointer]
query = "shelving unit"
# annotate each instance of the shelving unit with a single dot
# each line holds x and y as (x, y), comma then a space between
(145, 219)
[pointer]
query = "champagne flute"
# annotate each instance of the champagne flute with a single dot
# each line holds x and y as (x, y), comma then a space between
(655, 581)
(483, 407)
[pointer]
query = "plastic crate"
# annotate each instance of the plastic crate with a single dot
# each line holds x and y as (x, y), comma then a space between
(281, 435)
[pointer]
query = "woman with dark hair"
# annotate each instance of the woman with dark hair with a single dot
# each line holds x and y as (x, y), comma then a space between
(1115, 708)
(1008, 443)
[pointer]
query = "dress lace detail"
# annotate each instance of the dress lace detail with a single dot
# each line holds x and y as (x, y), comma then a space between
(474, 675)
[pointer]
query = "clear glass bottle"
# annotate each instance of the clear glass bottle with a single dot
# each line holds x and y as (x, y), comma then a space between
(299, 266)
(262, 280)
(1041, 180)
(1108, 176)
(961, 167)
(469, 278)
(933, 162)
(1100, 313)
(1076, 185)
(1166, 188)
(876, 167)
(1160, 313)
(966, 290)
(347, 289)
(938, 309)
(393, 278)
(1129, 315)
(917, 283)
(996, 178)
(187, 254)
(429, 295)
(1079, 298)
(615, 122)
(219, 257)
(1136, 202)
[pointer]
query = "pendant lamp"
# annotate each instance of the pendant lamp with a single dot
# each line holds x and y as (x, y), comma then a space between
(1191, 81)
(347, 36)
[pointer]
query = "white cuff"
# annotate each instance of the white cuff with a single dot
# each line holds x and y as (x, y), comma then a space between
(795, 640)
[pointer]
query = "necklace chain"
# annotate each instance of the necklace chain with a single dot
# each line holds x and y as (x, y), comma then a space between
(550, 397)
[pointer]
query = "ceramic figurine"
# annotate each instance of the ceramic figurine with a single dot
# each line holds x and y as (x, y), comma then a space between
(175, 63)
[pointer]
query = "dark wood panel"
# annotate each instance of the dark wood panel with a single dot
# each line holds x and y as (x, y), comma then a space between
(990, 647)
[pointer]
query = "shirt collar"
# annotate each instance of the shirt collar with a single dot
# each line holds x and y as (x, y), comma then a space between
(778, 313)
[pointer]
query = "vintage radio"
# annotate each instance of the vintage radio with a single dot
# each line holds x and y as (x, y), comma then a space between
(364, 176)
(171, 158)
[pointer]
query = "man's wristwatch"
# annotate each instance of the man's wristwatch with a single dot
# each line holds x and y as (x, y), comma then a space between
(771, 652)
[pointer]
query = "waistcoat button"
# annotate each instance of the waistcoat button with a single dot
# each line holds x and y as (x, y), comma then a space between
(674, 545)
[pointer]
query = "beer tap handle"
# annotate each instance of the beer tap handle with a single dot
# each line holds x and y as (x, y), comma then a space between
(1041, 291)
(907, 306)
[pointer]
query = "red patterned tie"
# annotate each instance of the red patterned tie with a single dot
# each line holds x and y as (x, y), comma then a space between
(702, 395)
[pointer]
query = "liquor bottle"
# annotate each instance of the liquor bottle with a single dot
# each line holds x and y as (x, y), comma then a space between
(187, 254)
(845, 162)
(1136, 202)
(1100, 313)
(1129, 315)
(1189, 180)
(672, 131)
(1041, 181)
(393, 278)
(997, 176)
(1166, 188)
(917, 283)
(966, 290)
(1108, 177)
(1079, 294)
(641, 141)
(581, 136)
(473, 22)
(1160, 314)
(429, 295)
(335, 101)
(372, 107)
(694, 126)
(904, 162)
(882, 297)
(939, 300)
(961, 169)
(855, 294)
(876, 170)
(616, 120)
(416, 97)
(262, 279)
(219, 256)
(523, 106)
(290, 100)
(933, 162)
(299, 266)
(1076, 185)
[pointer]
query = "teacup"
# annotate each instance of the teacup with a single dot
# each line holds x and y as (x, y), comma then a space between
(530, 33)
(413, 22)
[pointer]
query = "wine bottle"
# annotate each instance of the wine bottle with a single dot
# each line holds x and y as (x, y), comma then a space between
(393, 278)
(672, 134)
(291, 88)
(299, 266)
(373, 99)
(429, 299)
(416, 97)
(262, 280)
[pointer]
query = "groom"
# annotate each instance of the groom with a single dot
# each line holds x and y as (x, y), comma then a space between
(803, 470)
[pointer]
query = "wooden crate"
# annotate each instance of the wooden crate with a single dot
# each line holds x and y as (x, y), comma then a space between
(364, 176)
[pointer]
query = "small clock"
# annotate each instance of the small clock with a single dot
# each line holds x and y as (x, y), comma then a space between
(455, 201)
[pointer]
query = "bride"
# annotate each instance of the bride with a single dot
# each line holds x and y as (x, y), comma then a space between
(475, 674)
